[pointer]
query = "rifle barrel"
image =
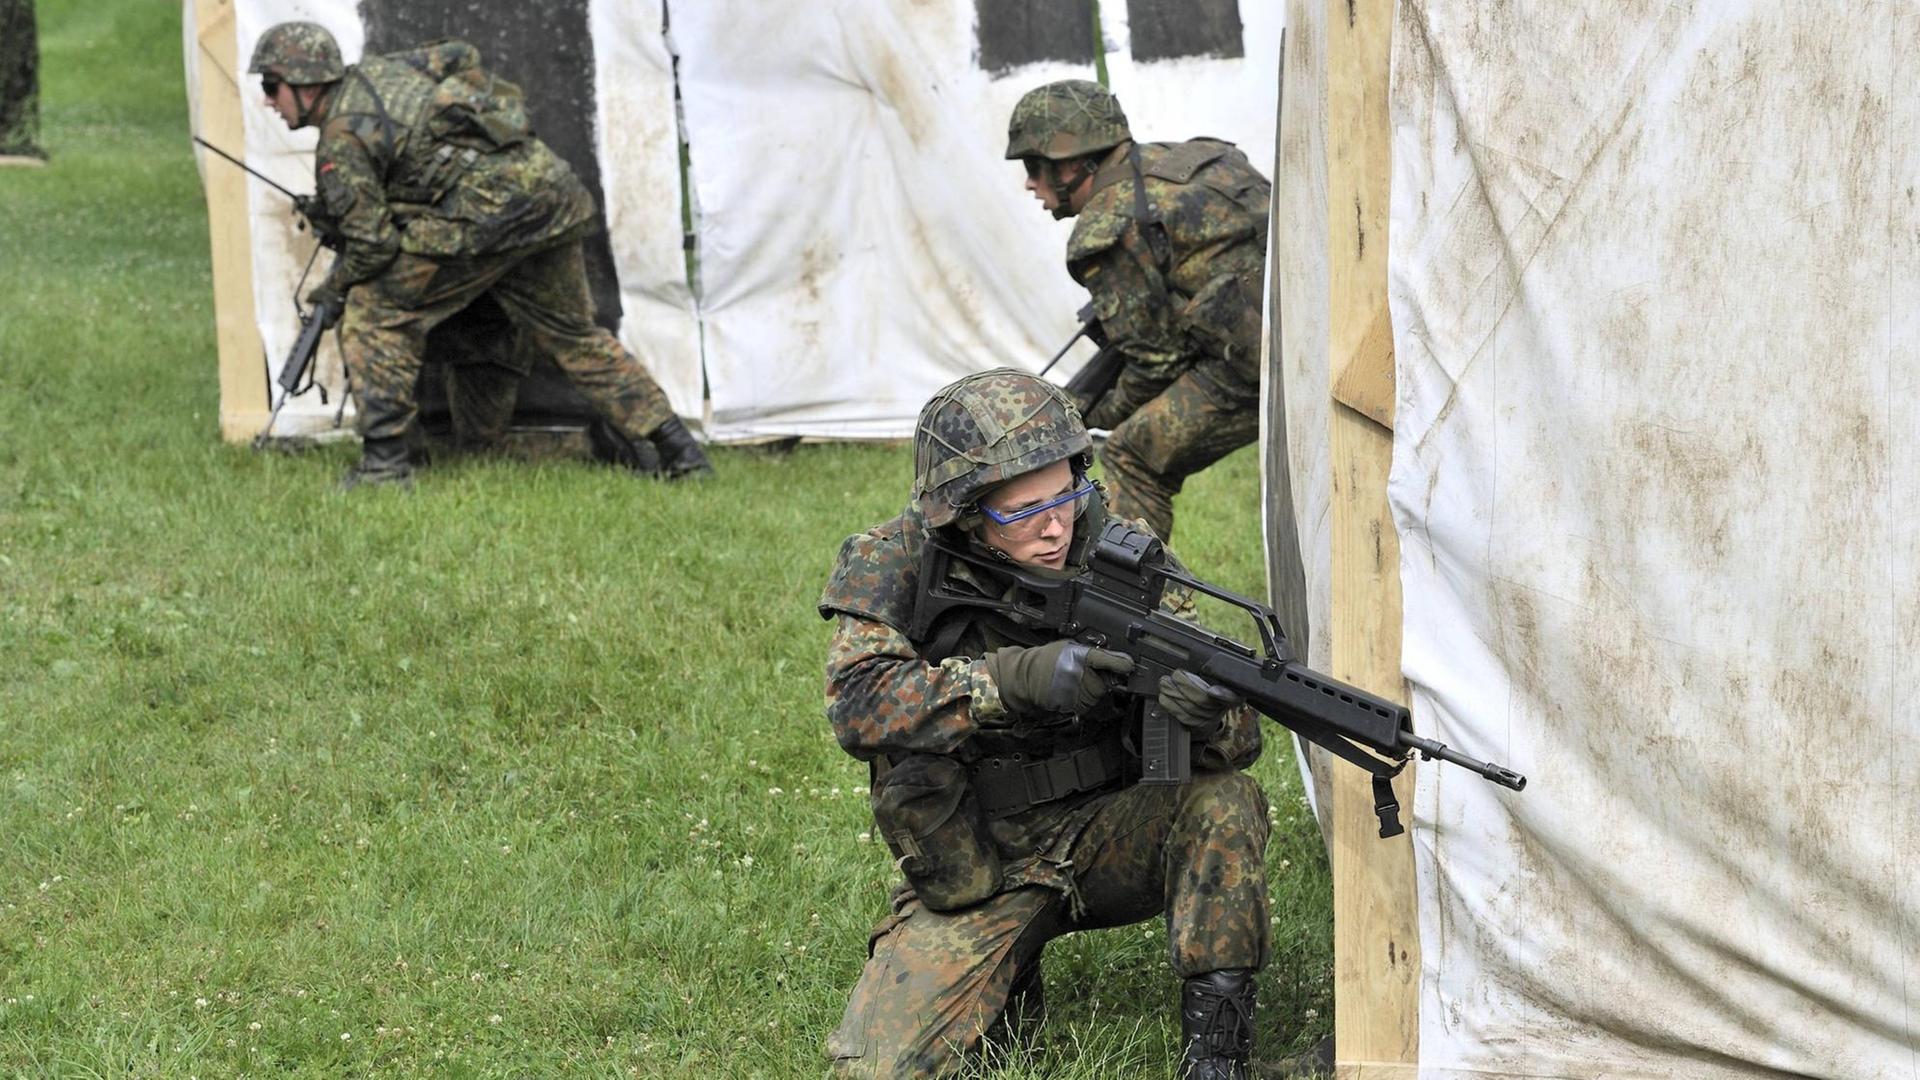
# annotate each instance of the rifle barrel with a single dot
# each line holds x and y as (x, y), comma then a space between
(1429, 749)
(1077, 335)
(249, 170)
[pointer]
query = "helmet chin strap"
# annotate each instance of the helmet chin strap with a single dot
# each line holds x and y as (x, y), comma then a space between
(1051, 175)
(305, 105)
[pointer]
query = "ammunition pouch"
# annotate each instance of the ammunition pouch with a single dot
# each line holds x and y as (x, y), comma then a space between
(930, 819)
(1008, 784)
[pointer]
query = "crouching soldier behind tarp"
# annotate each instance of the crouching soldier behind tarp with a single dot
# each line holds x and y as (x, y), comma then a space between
(1170, 240)
(440, 192)
(1004, 778)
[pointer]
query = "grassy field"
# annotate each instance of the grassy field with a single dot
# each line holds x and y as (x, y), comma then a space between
(522, 774)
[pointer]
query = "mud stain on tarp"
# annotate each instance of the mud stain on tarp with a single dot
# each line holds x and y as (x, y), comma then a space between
(818, 262)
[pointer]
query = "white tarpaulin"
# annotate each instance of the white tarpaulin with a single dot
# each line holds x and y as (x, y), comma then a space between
(859, 239)
(1653, 283)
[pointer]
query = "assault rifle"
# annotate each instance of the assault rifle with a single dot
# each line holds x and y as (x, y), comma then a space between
(1097, 375)
(1115, 604)
(294, 372)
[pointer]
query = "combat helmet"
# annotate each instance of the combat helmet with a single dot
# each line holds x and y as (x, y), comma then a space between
(299, 54)
(986, 429)
(1067, 119)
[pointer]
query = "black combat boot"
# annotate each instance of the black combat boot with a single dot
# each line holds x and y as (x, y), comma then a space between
(1216, 1025)
(616, 449)
(680, 454)
(382, 461)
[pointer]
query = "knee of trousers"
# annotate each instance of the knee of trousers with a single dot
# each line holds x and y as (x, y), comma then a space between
(1134, 454)
(1228, 801)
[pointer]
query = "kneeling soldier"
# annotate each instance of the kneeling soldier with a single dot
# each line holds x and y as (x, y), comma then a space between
(1005, 780)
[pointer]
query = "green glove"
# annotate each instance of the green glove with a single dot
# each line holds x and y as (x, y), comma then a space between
(1200, 706)
(1058, 677)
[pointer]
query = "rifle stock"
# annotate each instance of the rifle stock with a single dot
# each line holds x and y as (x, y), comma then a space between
(1115, 604)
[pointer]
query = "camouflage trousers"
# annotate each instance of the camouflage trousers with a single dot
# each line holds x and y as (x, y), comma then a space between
(544, 294)
(936, 985)
(1202, 416)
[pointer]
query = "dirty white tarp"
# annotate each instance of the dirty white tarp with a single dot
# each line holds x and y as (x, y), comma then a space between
(860, 240)
(1654, 284)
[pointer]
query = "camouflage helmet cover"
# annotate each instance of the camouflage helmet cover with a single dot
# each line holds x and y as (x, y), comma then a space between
(300, 53)
(985, 429)
(1066, 119)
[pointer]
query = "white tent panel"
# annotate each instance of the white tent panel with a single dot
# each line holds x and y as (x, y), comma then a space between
(1231, 98)
(639, 155)
(1653, 288)
(862, 241)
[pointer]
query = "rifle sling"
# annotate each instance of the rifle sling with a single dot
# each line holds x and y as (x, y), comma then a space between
(1385, 806)
(1012, 783)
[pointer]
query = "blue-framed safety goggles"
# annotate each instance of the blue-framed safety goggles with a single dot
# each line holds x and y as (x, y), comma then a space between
(1030, 513)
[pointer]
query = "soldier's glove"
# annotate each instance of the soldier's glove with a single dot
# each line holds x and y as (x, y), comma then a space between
(1095, 332)
(1200, 706)
(328, 302)
(326, 228)
(1058, 677)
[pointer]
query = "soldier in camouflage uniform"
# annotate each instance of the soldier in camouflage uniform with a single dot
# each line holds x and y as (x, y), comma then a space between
(429, 172)
(1003, 775)
(1171, 241)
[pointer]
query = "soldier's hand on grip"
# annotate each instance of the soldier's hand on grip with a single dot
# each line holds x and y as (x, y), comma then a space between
(1058, 677)
(327, 303)
(1200, 706)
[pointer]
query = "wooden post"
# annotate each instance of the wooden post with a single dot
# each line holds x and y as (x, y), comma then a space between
(243, 373)
(1376, 931)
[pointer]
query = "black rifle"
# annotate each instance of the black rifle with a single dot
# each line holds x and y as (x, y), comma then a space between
(325, 227)
(294, 372)
(1097, 375)
(1115, 604)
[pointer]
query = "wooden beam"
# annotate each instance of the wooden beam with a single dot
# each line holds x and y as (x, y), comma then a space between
(217, 103)
(1376, 941)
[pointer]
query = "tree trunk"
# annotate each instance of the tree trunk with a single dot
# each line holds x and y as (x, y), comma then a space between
(19, 81)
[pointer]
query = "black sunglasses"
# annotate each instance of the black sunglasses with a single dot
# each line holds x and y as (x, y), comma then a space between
(270, 85)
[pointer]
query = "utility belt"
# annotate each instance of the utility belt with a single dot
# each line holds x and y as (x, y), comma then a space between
(1008, 784)
(932, 811)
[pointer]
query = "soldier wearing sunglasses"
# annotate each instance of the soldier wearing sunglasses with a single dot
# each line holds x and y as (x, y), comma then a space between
(1004, 779)
(442, 194)
(1170, 241)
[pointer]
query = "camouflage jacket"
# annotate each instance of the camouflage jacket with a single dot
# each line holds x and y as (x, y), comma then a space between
(1176, 274)
(886, 697)
(424, 152)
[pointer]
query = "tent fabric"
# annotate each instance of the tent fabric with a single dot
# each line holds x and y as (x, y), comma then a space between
(1297, 369)
(858, 239)
(1653, 283)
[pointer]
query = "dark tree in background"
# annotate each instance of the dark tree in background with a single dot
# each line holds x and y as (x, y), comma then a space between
(19, 81)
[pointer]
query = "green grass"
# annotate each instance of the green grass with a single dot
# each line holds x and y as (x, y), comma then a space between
(522, 774)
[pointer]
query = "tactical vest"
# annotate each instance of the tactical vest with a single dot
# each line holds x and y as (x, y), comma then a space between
(1202, 210)
(462, 171)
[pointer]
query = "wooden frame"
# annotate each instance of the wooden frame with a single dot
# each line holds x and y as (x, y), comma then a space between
(244, 404)
(1376, 927)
